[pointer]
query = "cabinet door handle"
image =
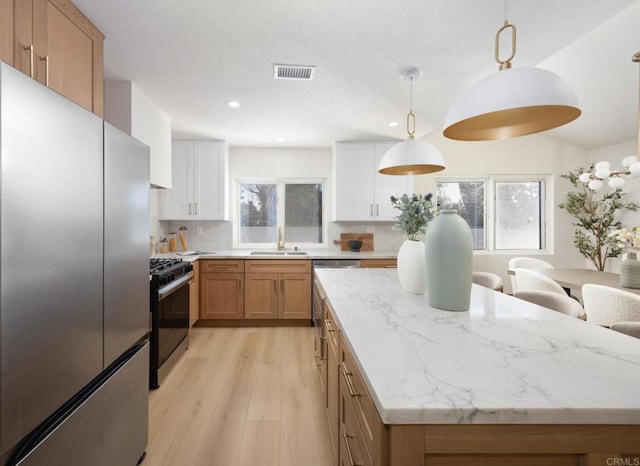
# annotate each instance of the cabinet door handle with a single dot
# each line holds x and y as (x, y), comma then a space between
(196, 208)
(30, 49)
(347, 378)
(346, 443)
(275, 286)
(189, 208)
(370, 210)
(282, 286)
(45, 59)
(377, 210)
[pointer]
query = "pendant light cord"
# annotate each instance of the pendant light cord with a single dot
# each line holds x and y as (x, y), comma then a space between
(636, 59)
(411, 118)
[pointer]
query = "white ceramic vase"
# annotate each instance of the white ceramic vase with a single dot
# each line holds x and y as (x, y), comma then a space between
(412, 269)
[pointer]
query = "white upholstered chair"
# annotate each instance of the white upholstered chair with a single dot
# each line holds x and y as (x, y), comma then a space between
(525, 263)
(564, 304)
(605, 305)
(630, 328)
(527, 280)
(488, 280)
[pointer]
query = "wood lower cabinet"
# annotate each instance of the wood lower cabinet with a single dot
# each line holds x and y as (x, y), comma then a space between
(333, 375)
(221, 289)
(194, 295)
(53, 42)
(367, 428)
(379, 263)
(277, 289)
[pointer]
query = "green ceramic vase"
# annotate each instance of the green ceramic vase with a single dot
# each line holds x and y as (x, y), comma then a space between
(449, 258)
(630, 271)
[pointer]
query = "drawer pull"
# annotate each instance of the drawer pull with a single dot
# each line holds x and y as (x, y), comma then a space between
(352, 389)
(327, 322)
(346, 443)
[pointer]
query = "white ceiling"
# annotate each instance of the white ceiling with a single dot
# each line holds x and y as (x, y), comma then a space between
(191, 57)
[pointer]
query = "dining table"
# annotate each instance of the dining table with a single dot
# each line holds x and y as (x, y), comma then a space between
(573, 279)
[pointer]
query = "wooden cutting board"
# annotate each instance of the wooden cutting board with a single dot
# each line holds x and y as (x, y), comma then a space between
(366, 238)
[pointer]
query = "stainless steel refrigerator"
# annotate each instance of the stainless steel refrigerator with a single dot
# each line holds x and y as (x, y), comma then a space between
(74, 283)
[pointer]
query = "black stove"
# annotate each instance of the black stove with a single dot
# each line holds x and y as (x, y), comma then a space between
(164, 271)
(169, 308)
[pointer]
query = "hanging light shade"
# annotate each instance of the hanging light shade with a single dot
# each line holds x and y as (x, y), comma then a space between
(601, 171)
(511, 102)
(411, 157)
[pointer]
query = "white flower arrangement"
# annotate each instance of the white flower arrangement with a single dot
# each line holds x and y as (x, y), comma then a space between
(627, 238)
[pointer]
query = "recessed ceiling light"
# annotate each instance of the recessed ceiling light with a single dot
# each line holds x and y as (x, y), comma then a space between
(233, 104)
(393, 124)
(280, 140)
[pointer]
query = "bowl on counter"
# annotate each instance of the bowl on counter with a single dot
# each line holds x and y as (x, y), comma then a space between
(355, 245)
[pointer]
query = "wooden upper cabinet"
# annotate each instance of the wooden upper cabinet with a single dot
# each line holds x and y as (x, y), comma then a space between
(6, 31)
(56, 44)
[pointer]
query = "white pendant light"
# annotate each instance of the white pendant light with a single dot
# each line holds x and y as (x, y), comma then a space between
(602, 170)
(511, 102)
(411, 157)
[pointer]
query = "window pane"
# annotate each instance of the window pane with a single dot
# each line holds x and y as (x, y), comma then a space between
(258, 213)
(519, 215)
(466, 197)
(303, 213)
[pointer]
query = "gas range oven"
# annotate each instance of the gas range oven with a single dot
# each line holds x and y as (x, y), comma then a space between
(169, 315)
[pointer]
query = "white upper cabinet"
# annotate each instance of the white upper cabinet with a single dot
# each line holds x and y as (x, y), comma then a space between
(127, 108)
(361, 193)
(200, 182)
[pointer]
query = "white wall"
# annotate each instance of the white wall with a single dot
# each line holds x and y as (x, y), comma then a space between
(537, 154)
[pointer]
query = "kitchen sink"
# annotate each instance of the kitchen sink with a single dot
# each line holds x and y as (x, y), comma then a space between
(278, 253)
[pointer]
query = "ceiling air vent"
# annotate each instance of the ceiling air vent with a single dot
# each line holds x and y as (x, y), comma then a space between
(303, 72)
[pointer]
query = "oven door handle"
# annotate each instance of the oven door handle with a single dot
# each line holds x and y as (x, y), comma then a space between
(174, 286)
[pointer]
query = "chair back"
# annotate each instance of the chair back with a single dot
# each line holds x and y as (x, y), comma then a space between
(525, 263)
(629, 328)
(564, 304)
(488, 280)
(527, 280)
(605, 305)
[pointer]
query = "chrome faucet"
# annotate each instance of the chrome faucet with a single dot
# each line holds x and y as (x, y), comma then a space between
(280, 245)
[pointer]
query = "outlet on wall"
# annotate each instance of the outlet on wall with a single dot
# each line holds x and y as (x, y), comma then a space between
(199, 230)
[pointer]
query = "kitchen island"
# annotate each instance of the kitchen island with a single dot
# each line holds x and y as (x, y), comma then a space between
(507, 382)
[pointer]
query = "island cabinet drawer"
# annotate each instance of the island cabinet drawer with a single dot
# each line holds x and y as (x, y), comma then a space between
(278, 266)
(352, 446)
(222, 265)
(332, 333)
(373, 430)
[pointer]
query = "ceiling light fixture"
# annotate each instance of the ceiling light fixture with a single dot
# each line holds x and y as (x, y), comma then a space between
(602, 170)
(233, 104)
(511, 102)
(411, 157)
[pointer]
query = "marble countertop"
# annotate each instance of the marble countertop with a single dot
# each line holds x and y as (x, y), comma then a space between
(310, 254)
(505, 361)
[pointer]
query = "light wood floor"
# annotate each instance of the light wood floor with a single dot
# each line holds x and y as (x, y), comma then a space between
(241, 396)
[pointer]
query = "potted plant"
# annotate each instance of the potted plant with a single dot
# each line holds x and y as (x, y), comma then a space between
(416, 211)
(595, 219)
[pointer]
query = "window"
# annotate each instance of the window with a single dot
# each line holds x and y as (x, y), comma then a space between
(517, 207)
(294, 206)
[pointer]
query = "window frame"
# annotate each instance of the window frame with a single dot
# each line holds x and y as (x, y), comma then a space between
(547, 225)
(280, 212)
